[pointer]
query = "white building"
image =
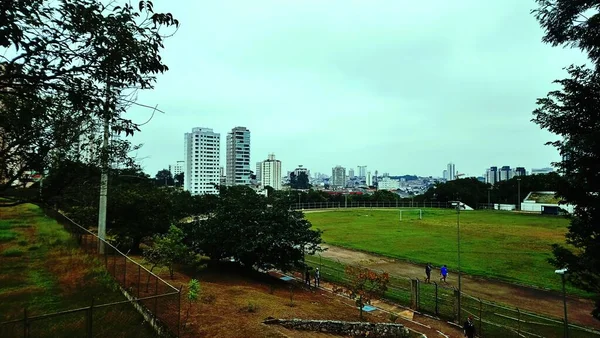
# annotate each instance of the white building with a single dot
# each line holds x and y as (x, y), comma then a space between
(258, 171)
(299, 170)
(369, 179)
(386, 183)
(202, 149)
(338, 177)
(271, 172)
(238, 156)
(177, 168)
(362, 171)
(351, 173)
(451, 171)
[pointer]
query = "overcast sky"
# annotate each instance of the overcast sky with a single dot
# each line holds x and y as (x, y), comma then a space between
(400, 86)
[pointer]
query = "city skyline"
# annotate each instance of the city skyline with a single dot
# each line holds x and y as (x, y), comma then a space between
(397, 84)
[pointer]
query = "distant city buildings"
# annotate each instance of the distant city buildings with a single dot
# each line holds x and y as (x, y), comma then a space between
(445, 174)
(362, 171)
(202, 152)
(238, 157)
(450, 172)
(177, 168)
(351, 173)
(369, 179)
(387, 183)
(494, 175)
(338, 177)
(547, 170)
(271, 172)
(258, 171)
(300, 169)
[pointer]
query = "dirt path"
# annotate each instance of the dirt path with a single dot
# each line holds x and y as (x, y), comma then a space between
(530, 299)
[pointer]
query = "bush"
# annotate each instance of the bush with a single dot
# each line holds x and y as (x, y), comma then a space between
(251, 307)
(12, 252)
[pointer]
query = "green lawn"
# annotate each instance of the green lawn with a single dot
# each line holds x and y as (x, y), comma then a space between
(503, 245)
(43, 271)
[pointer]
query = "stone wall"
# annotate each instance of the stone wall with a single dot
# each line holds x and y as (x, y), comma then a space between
(354, 329)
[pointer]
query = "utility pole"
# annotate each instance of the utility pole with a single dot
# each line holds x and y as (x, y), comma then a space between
(104, 175)
(519, 194)
(489, 189)
(459, 273)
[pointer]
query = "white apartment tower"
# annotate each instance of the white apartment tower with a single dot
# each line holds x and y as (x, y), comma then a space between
(177, 168)
(202, 151)
(338, 177)
(270, 170)
(451, 172)
(238, 157)
(369, 179)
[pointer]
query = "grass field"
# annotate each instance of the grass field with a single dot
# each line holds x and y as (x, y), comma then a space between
(501, 245)
(43, 271)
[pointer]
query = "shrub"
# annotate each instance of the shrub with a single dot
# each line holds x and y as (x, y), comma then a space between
(12, 252)
(251, 307)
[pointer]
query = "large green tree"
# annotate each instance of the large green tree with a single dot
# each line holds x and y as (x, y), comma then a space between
(245, 227)
(67, 67)
(573, 112)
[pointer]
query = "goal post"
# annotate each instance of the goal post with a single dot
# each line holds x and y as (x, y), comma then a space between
(420, 211)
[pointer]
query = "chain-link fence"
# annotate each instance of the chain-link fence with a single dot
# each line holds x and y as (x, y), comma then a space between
(158, 302)
(491, 319)
(371, 204)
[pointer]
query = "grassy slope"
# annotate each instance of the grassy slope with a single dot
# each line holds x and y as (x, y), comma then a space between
(41, 269)
(502, 245)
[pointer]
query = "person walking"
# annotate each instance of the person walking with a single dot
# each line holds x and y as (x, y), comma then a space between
(317, 277)
(428, 273)
(469, 328)
(444, 273)
(307, 277)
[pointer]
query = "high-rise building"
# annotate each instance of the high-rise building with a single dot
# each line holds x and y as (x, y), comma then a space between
(177, 168)
(351, 173)
(258, 171)
(271, 172)
(445, 174)
(362, 171)
(238, 157)
(491, 175)
(375, 178)
(520, 171)
(505, 173)
(299, 170)
(536, 171)
(369, 179)
(202, 155)
(451, 171)
(338, 177)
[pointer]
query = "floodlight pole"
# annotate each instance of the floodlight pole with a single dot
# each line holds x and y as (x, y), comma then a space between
(562, 273)
(104, 175)
(459, 273)
(519, 194)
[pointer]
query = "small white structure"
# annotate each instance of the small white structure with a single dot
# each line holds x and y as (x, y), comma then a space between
(536, 200)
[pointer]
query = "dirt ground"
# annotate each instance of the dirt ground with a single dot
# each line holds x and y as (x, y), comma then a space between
(530, 299)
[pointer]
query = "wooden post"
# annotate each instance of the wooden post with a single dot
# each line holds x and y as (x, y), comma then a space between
(125, 272)
(139, 280)
(179, 311)
(155, 295)
(89, 320)
(437, 313)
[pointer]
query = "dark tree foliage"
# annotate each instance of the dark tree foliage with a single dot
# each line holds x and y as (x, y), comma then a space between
(66, 67)
(302, 181)
(468, 190)
(164, 178)
(245, 227)
(179, 179)
(573, 112)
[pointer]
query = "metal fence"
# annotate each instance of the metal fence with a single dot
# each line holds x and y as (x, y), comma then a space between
(158, 302)
(491, 319)
(371, 204)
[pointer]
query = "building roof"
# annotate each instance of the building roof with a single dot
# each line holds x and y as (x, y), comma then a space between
(544, 197)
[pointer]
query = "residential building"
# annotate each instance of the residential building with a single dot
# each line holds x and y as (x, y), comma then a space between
(238, 157)
(445, 174)
(369, 179)
(223, 177)
(351, 173)
(375, 179)
(258, 171)
(362, 171)
(338, 177)
(387, 183)
(177, 168)
(451, 171)
(299, 170)
(271, 172)
(202, 158)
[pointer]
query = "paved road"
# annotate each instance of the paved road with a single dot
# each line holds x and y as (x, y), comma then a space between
(530, 299)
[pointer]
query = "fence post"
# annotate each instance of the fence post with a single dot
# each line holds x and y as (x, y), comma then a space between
(25, 324)
(125, 272)
(139, 280)
(456, 308)
(114, 263)
(519, 323)
(88, 320)
(480, 305)
(179, 311)
(437, 312)
(155, 294)
(105, 260)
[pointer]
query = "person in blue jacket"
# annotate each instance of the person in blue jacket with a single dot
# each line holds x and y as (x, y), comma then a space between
(444, 273)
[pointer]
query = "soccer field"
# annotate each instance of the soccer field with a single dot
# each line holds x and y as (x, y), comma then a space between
(501, 245)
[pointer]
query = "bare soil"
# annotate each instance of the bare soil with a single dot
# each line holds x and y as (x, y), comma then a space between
(526, 298)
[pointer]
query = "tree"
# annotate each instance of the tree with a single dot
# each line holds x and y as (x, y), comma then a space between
(65, 71)
(293, 180)
(573, 112)
(365, 284)
(245, 227)
(164, 178)
(179, 180)
(192, 296)
(167, 250)
(302, 181)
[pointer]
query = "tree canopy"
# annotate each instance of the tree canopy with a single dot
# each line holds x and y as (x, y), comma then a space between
(573, 113)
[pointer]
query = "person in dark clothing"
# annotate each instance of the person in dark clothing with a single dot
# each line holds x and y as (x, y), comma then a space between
(469, 328)
(428, 273)
(317, 278)
(307, 278)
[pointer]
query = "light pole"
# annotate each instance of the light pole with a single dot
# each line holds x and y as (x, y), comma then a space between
(489, 190)
(562, 273)
(459, 274)
(298, 200)
(519, 194)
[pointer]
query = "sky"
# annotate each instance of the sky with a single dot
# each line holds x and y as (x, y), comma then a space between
(400, 86)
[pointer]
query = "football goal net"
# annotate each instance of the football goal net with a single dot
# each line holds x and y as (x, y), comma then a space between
(411, 214)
